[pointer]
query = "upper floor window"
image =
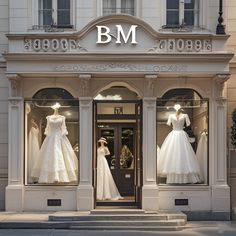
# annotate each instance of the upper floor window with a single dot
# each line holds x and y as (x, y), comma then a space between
(182, 12)
(118, 6)
(55, 13)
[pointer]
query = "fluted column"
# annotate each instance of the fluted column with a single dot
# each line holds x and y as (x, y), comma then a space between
(150, 189)
(15, 188)
(218, 162)
(85, 193)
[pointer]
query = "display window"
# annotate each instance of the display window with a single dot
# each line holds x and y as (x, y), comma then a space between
(51, 138)
(182, 138)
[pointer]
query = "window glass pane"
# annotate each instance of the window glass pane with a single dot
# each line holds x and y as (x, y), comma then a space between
(63, 4)
(127, 7)
(182, 137)
(172, 18)
(189, 17)
(191, 12)
(109, 7)
(63, 12)
(49, 128)
(172, 4)
(45, 12)
(189, 4)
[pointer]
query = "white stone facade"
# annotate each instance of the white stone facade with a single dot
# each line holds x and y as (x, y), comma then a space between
(161, 60)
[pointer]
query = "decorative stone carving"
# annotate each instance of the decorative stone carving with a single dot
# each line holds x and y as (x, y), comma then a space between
(182, 45)
(53, 45)
(151, 79)
(84, 84)
(14, 89)
(220, 80)
(120, 67)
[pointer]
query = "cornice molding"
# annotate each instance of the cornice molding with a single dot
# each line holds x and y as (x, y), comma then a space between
(212, 57)
(118, 19)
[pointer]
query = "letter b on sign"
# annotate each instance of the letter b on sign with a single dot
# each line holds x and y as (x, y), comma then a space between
(103, 31)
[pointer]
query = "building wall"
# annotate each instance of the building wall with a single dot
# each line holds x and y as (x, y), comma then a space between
(3, 102)
(22, 17)
(230, 21)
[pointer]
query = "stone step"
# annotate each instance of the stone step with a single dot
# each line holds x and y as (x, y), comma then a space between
(127, 217)
(116, 211)
(129, 223)
(111, 216)
(129, 228)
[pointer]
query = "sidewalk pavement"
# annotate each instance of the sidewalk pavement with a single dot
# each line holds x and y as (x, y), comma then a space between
(193, 228)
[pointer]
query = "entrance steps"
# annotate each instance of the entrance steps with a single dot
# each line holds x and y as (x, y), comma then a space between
(123, 219)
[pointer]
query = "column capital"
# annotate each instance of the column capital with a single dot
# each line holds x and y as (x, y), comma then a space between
(84, 83)
(222, 78)
(151, 79)
(14, 79)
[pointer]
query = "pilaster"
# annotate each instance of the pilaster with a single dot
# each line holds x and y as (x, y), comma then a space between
(85, 193)
(150, 189)
(220, 189)
(15, 188)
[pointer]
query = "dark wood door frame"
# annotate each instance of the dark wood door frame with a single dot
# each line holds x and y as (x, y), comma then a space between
(137, 124)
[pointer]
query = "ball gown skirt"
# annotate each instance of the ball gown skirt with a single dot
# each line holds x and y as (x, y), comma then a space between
(106, 187)
(177, 160)
(57, 162)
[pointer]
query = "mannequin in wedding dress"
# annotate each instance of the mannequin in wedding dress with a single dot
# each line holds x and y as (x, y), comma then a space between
(106, 187)
(177, 160)
(33, 148)
(57, 162)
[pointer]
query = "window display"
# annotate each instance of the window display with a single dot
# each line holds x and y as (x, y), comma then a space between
(51, 143)
(182, 149)
(56, 162)
(184, 167)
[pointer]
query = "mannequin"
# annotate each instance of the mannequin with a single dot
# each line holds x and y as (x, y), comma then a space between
(106, 187)
(56, 108)
(177, 160)
(33, 148)
(57, 162)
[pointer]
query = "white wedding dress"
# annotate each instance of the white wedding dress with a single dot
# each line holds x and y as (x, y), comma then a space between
(201, 155)
(106, 187)
(33, 150)
(57, 162)
(177, 160)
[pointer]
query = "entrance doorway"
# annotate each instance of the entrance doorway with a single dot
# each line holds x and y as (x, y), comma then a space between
(119, 122)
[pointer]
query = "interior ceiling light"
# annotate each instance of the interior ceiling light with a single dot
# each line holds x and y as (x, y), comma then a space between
(108, 97)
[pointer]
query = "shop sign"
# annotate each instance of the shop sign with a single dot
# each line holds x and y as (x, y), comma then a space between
(104, 35)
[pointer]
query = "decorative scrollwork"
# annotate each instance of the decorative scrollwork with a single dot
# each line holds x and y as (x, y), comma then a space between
(27, 44)
(182, 45)
(14, 80)
(53, 45)
(220, 80)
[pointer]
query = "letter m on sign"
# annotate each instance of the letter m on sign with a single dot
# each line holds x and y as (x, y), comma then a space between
(132, 33)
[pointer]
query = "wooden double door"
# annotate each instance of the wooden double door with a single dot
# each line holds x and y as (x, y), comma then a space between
(123, 155)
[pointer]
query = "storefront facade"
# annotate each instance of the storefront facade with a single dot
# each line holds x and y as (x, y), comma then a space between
(150, 71)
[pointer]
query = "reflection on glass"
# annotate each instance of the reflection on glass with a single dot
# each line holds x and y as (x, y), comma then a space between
(126, 156)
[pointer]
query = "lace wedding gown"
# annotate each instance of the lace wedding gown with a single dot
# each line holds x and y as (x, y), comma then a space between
(106, 187)
(33, 150)
(57, 162)
(177, 160)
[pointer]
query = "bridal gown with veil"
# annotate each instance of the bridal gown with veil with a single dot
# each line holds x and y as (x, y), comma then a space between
(177, 160)
(106, 187)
